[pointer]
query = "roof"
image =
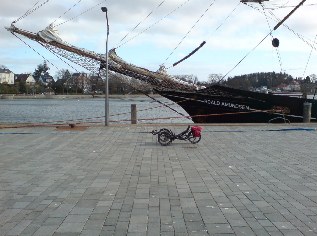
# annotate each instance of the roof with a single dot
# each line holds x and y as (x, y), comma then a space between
(79, 74)
(22, 77)
(5, 70)
(47, 78)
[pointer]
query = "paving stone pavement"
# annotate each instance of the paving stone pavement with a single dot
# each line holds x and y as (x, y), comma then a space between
(117, 180)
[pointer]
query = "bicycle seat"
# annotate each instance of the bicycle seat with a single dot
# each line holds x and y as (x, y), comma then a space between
(184, 132)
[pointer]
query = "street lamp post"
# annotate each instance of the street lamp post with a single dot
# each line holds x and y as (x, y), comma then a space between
(104, 9)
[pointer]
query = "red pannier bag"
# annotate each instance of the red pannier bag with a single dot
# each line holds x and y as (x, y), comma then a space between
(196, 130)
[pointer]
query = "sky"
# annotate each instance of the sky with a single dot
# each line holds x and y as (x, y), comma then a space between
(150, 33)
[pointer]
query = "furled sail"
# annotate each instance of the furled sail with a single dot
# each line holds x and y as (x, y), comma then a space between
(50, 34)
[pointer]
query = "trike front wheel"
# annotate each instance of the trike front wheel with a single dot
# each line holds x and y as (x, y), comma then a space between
(193, 139)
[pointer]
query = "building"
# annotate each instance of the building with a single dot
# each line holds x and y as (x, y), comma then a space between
(46, 79)
(25, 78)
(292, 86)
(6, 76)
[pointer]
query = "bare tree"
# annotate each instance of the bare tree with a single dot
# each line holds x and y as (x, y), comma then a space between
(192, 79)
(214, 78)
(313, 78)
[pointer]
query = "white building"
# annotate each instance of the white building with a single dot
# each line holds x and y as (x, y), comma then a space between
(6, 76)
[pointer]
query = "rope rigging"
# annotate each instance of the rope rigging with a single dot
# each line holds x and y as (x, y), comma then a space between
(204, 42)
(244, 57)
(26, 13)
(301, 37)
(309, 58)
(82, 13)
(306, 41)
(276, 46)
(45, 59)
(36, 6)
(66, 11)
(137, 25)
(121, 77)
(189, 31)
(31, 10)
(59, 57)
(155, 23)
(280, 7)
(34, 50)
(58, 53)
(162, 103)
(230, 14)
(225, 20)
(275, 28)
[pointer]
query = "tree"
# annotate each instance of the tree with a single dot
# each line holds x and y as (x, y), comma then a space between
(38, 88)
(270, 80)
(62, 81)
(313, 78)
(214, 78)
(40, 70)
(62, 74)
(79, 82)
(21, 87)
(95, 81)
(307, 79)
(8, 89)
(58, 87)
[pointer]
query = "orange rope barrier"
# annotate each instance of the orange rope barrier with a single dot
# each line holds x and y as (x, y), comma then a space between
(178, 117)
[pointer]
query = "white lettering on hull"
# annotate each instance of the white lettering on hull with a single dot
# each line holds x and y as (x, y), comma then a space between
(226, 104)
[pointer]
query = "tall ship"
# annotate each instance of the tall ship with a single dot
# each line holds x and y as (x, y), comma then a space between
(213, 104)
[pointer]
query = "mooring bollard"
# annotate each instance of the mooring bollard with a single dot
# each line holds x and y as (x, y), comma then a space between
(133, 114)
(307, 112)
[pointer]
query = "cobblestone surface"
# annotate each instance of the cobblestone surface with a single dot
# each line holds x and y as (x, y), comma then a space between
(239, 180)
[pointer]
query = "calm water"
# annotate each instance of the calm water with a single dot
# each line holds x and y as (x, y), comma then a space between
(85, 110)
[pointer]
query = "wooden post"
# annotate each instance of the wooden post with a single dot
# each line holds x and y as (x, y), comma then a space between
(133, 114)
(307, 112)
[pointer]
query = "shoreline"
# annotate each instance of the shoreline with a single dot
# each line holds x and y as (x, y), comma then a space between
(101, 124)
(72, 96)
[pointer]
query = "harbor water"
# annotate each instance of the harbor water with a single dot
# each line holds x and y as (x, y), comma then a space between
(89, 110)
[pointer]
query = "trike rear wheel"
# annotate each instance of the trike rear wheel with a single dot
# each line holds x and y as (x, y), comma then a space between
(164, 138)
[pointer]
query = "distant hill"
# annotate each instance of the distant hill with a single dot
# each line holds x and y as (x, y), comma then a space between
(256, 80)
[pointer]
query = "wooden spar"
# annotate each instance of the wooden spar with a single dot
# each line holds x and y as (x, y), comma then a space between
(289, 14)
(190, 54)
(120, 66)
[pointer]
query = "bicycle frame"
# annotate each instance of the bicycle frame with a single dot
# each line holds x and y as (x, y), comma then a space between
(166, 136)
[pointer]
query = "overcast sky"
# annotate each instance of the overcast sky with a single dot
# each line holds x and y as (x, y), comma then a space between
(164, 40)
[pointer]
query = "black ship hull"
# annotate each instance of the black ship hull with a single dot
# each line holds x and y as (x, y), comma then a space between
(219, 104)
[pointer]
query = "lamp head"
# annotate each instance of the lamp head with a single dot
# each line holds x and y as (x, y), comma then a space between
(104, 9)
